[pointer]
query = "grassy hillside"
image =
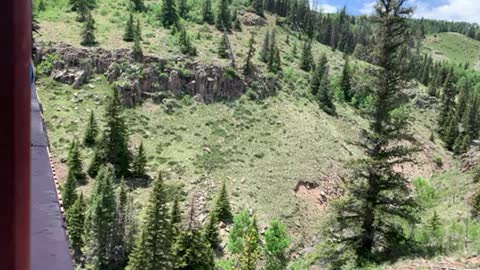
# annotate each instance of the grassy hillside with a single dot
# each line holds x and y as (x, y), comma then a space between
(263, 148)
(453, 47)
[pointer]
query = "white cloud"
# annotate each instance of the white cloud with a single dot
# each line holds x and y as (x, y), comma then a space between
(368, 8)
(326, 8)
(451, 10)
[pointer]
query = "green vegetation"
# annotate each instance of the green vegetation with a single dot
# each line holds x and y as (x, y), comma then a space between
(277, 147)
(453, 47)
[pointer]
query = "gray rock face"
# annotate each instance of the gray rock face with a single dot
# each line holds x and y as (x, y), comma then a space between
(136, 81)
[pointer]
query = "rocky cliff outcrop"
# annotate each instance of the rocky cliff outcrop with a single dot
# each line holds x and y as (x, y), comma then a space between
(138, 80)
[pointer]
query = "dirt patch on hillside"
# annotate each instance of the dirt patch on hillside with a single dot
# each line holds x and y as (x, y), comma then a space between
(444, 263)
(318, 192)
(60, 168)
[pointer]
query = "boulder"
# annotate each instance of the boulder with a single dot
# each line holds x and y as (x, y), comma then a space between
(252, 19)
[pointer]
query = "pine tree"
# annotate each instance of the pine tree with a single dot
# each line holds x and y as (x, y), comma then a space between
(450, 132)
(324, 95)
(83, 10)
(119, 236)
(74, 162)
(138, 30)
(274, 61)
(138, 5)
(295, 50)
(307, 56)
(185, 44)
(476, 175)
(207, 12)
(266, 47)
(222, 205)
(100, 220)
(222, 47)
(192, 250)
(153, 247)
(91, 132)
(88, 32)
(75, 217)
(224, 19)
(182, 8)
(237, 24)
(448, 103)
(377, 198)
(318, 74)
(275, 247)
(346, 81)
(139, 162)
(211, 234)
(249, 256)
(258, 7)
(248, 68)
(475, 205)
(168, 14)
(41, 5)
(137, 51)
(175, 218)
(69, 190)
(113, 146)
(471, 119)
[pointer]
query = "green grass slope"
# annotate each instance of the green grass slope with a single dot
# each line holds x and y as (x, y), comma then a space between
(453, 47)
(261, 148)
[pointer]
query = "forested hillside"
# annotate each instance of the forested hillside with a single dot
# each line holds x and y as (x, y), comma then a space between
(261, 134)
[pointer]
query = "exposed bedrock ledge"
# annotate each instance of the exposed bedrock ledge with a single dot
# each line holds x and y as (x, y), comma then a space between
(153, 76)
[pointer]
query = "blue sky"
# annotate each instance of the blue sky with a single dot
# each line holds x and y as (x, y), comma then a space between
(452, 10)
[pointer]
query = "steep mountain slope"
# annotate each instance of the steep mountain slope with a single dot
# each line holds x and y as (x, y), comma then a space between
(453, 47)
(281, 156)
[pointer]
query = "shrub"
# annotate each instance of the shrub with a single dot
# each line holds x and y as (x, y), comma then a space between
(438, 161)
(46, 66)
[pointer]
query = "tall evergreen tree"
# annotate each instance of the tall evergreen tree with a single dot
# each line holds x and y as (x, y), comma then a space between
(211, 234)
(120, 234)
(69, 190)
(74, 162)
(275, 247)
(274, 61)
(83, 10)
(139, 162)
(100, 220)
(377, 198)
(175, 218)
(137, 51)
(207, 12)
(185, 44)
(224, 18)
(138, 5)
(169, 14)
(307, 57)
(346, 81)
(75, 217)
(222, 207)
(91, 132)
(259, 8)
(471, 119)
(191, 250)
(248, 68)
(266, 47)
(241, 223)
(113, 147)
(324, 95)
(88, 32)
(475, 205)
(182, 8)
(318, 74)
(153, 247)
(223, 47)
(448, 103)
